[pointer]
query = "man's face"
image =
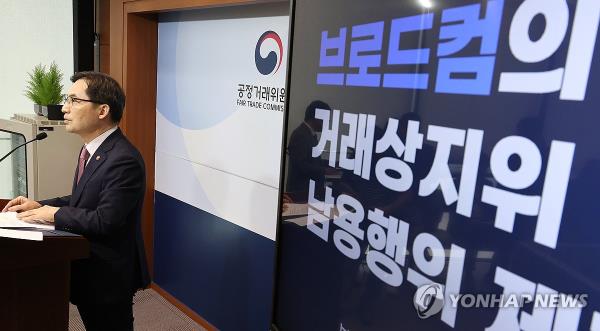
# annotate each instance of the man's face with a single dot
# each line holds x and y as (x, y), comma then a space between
(81, 117)
(316, 124)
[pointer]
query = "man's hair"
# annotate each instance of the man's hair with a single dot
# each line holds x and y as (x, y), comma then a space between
(310, 110)
(103, 88)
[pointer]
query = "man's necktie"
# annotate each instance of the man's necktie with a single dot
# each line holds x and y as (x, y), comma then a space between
(83, 157)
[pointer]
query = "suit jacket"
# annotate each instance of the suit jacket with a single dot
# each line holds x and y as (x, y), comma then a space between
(301, 165)
(105, 207)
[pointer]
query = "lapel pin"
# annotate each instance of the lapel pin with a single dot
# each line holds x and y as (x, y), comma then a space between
(97, 157)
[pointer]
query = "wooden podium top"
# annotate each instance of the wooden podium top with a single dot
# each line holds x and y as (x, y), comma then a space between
(56, 247)
(18, 253)
(34, 280)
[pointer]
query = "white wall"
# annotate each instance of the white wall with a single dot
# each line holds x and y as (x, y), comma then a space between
(32, 32)
(213, 150)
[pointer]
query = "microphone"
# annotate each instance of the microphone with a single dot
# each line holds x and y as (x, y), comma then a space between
(39, 136)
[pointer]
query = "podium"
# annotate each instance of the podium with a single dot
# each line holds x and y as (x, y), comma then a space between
(34, 280)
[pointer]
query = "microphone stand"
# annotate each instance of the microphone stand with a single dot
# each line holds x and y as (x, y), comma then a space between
(40, 136)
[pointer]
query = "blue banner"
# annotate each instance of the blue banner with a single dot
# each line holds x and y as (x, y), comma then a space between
(442, 167)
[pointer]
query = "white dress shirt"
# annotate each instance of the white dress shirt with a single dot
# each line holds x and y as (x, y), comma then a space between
(93, 145)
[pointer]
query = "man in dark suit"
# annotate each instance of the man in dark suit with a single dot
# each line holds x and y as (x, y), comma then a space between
(105, 205)
(302, 167)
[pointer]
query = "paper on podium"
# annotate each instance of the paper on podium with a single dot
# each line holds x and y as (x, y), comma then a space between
(299, 213)
(295, 209)
(22, 234)
(10, 220)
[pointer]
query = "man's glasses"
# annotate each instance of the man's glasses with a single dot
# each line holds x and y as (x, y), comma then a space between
(70, 100)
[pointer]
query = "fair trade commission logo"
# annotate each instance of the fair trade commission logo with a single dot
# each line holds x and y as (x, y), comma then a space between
(271, 63)
(258, 95)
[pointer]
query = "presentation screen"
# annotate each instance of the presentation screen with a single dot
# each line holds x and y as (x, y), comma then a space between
(442, 168)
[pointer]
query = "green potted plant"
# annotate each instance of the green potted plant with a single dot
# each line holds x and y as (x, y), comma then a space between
(33, 90)
(44, 88)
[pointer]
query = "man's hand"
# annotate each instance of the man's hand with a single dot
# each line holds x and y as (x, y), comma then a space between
(20, 204)
(44, 215)
(285, 201)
